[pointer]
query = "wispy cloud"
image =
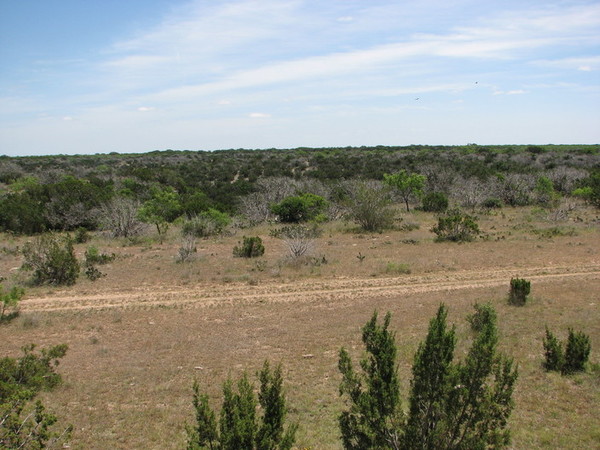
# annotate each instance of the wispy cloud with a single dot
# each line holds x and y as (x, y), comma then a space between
(212, 64)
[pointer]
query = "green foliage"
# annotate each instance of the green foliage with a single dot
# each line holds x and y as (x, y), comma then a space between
(452, 405)
(590, 190)
(553, 352)
(482, 315)
(519, 290)
(9, 300)
(374, 417)
(208, 223)
(369, 207)
(194, 203)
(397, 268)
(23, 425)
(435, 202)
(545, 193)
(160, 210)
(93, 256)
(577, 352)
(460, 405)
(52, 259)
(408, 185)
(299, 208)
(251, 247)
(456, 226)
(239, 426)
(573, 359)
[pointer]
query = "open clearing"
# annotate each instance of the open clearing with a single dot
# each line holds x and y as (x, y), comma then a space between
(140, 336)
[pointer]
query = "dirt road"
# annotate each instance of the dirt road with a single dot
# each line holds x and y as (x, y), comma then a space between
(337, 289)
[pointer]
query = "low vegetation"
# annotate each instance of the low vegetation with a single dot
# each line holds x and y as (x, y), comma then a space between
(321, 237)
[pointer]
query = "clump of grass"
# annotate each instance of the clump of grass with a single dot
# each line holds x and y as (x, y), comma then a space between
(393, 268)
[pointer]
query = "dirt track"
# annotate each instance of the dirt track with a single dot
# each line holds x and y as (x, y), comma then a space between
(338, 289)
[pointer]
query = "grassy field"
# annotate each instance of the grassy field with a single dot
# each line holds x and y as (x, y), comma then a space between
(139, 336)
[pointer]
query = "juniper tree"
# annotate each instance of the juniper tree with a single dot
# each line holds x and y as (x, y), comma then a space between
(460, 405)
(239, 426)
(374, 418)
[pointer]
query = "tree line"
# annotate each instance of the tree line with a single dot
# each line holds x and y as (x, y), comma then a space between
(64, 193)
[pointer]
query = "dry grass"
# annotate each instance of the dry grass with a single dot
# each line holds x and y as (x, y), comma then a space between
(160, 325)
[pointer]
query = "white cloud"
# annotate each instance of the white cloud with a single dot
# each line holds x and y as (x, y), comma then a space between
(257, 115)
(146, 108)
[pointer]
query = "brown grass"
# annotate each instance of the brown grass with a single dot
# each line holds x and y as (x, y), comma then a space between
(140, 336)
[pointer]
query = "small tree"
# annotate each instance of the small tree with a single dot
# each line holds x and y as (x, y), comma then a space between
(374, 416)
(451, 405)
(52, 259)
(553, 351)
(251, 247)
(519, 291)
(162, 209)
(408, 185)
(577, 352)
(239, 427)
(573, 358)
(9, 300)
(456, 226)
(369, 206)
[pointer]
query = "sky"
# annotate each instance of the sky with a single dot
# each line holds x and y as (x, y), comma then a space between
(132, 76)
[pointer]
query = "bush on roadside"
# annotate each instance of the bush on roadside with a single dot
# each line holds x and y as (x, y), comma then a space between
(519, 290)
(52, 259)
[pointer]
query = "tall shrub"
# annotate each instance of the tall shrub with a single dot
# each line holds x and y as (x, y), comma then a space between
(456, 226)
(452, 405)
(519, 291)
(52, 259)
(239, 426)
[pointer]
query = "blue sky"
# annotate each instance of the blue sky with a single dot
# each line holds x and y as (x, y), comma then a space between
(140, 75)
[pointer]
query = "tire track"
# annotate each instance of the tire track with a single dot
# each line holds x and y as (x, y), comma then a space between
(304, 291)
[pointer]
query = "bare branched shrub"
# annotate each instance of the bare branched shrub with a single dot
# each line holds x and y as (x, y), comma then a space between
(516, 189)
(299, 239)
(562, 212)
(565, 179)
(187, 249)
(470, 192)
(120, 217)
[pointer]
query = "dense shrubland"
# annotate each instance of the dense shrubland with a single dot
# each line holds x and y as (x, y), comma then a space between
(59, 193)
